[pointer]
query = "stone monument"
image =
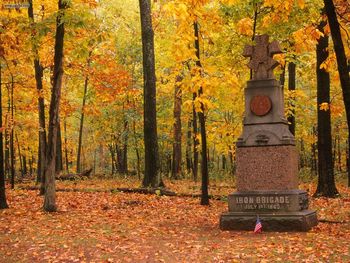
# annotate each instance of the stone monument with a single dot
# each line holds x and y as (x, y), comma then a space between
(266, 155)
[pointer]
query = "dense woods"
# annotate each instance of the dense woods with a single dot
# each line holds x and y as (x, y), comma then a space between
(155, 89)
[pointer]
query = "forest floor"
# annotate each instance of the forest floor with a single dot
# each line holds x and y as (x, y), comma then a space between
(129, 227)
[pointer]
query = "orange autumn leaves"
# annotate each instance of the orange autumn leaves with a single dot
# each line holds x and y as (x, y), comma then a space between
(125, 227)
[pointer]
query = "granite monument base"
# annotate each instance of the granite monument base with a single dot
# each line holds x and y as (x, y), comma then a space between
(278, 222)
(278, 211)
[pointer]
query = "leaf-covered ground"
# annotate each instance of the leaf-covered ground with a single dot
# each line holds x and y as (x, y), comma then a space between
(126, 227)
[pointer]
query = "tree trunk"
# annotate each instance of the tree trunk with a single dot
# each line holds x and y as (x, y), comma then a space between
(19, 155)
(326, 184)
(111, 149)
(66, 146)
(201, 117)
(12, 144)
(138, 162)
(152, 175)
(50, 187)
(31, 161)
(188, 148)
(177, 145)
(3, 201)
(59, 159)
(339, 151)
(291, 88)
(124, 163)
(223, 158)
(41, 107)
(341, 61)
(195, 141)
(283, 76)
(24, 163)
(86, 82)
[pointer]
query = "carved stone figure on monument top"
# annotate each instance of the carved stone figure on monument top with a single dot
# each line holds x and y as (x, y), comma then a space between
(261, 62)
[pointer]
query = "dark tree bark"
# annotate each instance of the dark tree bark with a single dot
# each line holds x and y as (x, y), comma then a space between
(138, 161)
(24, 162)
(195, 141)
(50, 187)
(177, 144)
(66, 146)
(59, 158)
(152, 175)
(291, 88)
(341, 61)
(125, 146)
(19, 155)
(7, 150)
(189, 163)
(12, 143)
(111, 149)
(223, 158)
(41, 107)
(326, 184)
(3, 201)
(283, 76)
(201, 117)
(80, 140)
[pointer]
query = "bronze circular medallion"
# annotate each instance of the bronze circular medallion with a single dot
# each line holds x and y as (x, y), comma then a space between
(260, 105)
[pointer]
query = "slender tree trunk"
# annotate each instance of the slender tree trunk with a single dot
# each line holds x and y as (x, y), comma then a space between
(341, 61)
(255, 20)
(152, 175)
(66, 145)
(12, 144)
(50, 187)
(339, 151)
(138, 162)
(41, 107)
(195, 140)
(189, 163)
(19, 155)
(7, 150)
(291, 88)
(124, 164)
(24, 162)
(223, 158)
(326, 183)
(59, 159)
(283, 76)
(111, 149)
(31, 161)
(3, 201)
(177, 145)
(201, 117)
(86, 82)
